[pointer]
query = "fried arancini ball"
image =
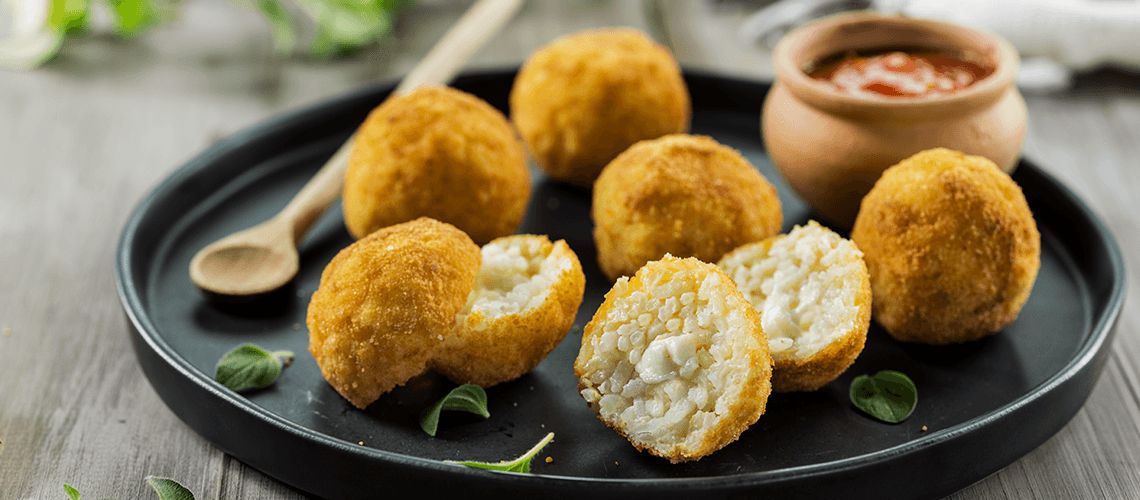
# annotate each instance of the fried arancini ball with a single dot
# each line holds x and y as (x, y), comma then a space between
(685, 195)
(675, 360)
(385, 302)
(583, 99)
(813, 292)
(526, 296)
(951, 246)
(440, 153)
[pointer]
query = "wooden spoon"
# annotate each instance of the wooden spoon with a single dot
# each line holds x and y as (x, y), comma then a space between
(264, 257)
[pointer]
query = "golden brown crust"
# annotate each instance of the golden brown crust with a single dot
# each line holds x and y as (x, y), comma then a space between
(440, 153)
(951, 246)
(488, 351)
(385, 302)
(745, 400)
(584, 98)
(685, 195)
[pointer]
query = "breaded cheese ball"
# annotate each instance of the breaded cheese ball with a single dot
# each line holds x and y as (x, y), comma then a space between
(951, 245)
(386, 302)
(526, 295)
(441, 153)
(675, 360)
(583, 99)
(814, 294)
(684, 195)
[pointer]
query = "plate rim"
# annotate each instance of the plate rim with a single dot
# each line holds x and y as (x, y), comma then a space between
(148, 341)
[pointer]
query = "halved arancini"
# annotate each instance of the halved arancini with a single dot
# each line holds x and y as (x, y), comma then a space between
(675, 360)
(814, 294)
(386, 302)
(526, 295)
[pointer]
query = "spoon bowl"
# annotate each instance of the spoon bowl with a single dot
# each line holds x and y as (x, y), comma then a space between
(255, 261)
(264, 257)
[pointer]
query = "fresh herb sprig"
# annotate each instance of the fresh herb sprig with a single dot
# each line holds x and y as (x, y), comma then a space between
(889, 396)
(343, 26)
(72, 493)
(469, 397)
(251, 367)
(167, 489)
(521, 464)
(340, 26)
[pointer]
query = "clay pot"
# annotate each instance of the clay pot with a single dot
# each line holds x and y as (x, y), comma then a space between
(832, 146)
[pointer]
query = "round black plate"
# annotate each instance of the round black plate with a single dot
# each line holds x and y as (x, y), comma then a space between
(982, 405)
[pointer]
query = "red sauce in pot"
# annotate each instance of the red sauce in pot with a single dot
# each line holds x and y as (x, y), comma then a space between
(901, 74)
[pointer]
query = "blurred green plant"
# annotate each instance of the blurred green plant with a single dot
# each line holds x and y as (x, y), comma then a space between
(343, 26)
(38, 28)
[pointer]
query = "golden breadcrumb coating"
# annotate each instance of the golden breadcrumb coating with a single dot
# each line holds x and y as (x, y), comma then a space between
(675, 360)
(385, 302)
(685, 195)
(583, 99)
(526, 296)
(814, 294)
(440, 153)
(951, 245)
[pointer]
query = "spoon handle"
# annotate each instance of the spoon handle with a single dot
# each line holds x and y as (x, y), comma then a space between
(438, 67)
(318, 194)
(467, 35)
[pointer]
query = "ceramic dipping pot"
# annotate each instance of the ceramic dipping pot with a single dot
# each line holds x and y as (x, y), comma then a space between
(831, 146)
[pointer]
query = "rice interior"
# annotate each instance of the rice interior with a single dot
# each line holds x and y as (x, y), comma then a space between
(805, 288)
(517, 274)
(664, 369)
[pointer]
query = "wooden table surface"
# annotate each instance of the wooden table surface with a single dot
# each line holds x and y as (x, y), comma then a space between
(85, 137)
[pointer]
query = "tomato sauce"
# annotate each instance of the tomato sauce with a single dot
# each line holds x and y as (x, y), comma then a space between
(901, 74)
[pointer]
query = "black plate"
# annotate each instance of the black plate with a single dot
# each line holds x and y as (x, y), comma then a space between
(983, 404)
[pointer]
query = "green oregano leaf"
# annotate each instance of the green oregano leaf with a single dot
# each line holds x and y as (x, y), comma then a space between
(469, 397)
(521, 464)
(71, 492)
(250, 367)
(889, 396)
(169, 489)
